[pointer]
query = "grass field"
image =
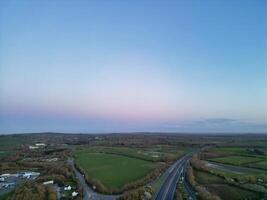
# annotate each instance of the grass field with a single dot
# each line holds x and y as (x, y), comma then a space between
(149, 154)
(233, 150)
(9, 142)
(7, 195)
(4, 154)
(113, 171)
(218, 186)
(135, 153)
(229, 192)
(261, 165)
(242, 151)
(204, 178)
(236, 160)
(232, 171)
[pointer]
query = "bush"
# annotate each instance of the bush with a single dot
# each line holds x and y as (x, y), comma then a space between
(203, 194)
(33, 191)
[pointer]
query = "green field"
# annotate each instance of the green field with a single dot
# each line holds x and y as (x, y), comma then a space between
(4, 154)
(204, 178)
(6, 195)
(239, 150)
(8, 142)
(218, 186)
(242, 151)
(229, 192)
(236, 160)
(134, 153)
(234, 171)
(114, 171)
(261, 165)
(149, 154)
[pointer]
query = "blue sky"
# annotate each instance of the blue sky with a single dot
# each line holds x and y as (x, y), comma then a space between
(115, 66)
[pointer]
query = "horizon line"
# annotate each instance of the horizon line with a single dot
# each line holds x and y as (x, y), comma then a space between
(140, 132)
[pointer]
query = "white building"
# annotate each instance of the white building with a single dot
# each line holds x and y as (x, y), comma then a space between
(67, 188)
(33, 147)
(5, 175)
(51, 160)
(74, 194)
(48, 182)
(40, 144)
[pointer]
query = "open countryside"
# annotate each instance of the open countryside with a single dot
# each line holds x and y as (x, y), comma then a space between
(125, 167)
(114, 171)
(133, 100)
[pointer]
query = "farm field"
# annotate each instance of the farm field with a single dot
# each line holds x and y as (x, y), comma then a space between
(114, 171)
(234, 170)
(239, 150)
(149, 154)
(11, 142)
(4, 154)
(242, 151)
(204, 178)
(229, 192)
(5, 196)
(236, 160)
(124, 151)
(261, 165)
(219, 186)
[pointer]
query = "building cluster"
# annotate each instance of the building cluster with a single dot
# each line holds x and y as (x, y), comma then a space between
(62, 189)
(37, 146)
(11, 180)
(50, 160)
(68, 188)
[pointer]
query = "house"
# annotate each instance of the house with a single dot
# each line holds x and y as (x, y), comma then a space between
(37, 146)
(51, 160)
(33, 147)
(48, 182)
(67, 188)
(74, 194)
(40, 144)
(5, 175)
(147, 195)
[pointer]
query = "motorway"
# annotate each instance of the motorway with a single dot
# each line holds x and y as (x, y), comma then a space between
(176, 171)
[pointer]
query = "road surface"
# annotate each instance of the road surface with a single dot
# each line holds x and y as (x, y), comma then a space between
(168, 188)
(88, 193)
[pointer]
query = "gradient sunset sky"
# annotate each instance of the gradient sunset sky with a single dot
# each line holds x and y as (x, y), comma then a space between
(124, 66)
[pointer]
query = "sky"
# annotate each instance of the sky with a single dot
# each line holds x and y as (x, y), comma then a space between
(126, 66)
